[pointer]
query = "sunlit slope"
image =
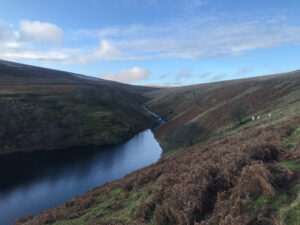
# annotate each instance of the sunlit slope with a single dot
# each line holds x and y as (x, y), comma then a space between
(211, 106)
(43, 109)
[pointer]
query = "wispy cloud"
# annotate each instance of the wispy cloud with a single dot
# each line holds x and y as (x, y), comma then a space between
(106, 52)
(180, 4)
(183, 75)
(41, 41)
(198, 38)
(190, 38)
(244, 71)
(185, 6)
(129, 75)
(163, 76)
(218, 77)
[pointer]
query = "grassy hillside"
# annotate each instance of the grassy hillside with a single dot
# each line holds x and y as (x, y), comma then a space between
(42, 109)
(211, 107)
(225, 169)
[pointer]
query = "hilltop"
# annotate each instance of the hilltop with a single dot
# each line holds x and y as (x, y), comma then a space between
(219, 166)
(44, 109)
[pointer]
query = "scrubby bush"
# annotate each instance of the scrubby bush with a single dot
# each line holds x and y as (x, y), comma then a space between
(186, 135)
(239, 113)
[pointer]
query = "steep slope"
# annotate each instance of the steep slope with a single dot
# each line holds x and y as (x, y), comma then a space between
(212, 106)
(42, 109)
(240, 174)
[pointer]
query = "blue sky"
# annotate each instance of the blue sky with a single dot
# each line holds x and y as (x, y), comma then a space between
(154, 42)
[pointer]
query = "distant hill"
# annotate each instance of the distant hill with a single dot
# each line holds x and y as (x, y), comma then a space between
(42, 109)
(14, 74)
(211, 105)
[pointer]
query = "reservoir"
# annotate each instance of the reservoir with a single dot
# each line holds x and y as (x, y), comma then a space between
(33, 182)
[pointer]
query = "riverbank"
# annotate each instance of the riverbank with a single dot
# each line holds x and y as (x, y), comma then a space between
(49, 172)
(43, 109)
(38, 181)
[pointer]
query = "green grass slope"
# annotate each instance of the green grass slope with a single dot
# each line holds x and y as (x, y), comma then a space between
(211, 106)
(228, 173)
(43, 109)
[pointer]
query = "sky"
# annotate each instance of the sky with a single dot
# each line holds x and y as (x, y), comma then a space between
(154, 42)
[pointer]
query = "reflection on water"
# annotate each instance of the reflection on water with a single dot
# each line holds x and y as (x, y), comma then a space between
(35, 182)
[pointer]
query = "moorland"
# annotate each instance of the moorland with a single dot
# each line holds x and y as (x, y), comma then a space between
(231, 148)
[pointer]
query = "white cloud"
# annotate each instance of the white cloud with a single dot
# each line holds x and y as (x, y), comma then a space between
(34, 55)
(106, 52)
(40, 32)
(129, 75)
(188, 38)
(26, 43)
(197, 38)
(31, 42)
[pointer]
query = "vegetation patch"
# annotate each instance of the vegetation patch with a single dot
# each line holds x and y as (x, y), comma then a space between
(287, 207)
(293, 140)
(291, 164)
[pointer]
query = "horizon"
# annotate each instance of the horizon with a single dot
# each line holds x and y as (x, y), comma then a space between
(158, 86)
(154, 43)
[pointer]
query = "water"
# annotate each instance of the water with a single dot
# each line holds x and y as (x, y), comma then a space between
(38, 181)
(157, 117)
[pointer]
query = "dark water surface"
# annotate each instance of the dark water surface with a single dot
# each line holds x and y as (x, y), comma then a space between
(38, 181)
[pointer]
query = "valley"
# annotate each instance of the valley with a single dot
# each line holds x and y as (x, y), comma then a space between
(219, 166)
(148, 112)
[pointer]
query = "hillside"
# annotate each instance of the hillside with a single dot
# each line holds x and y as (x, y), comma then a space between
(220, 167)
(43, 109)
(210, 106)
